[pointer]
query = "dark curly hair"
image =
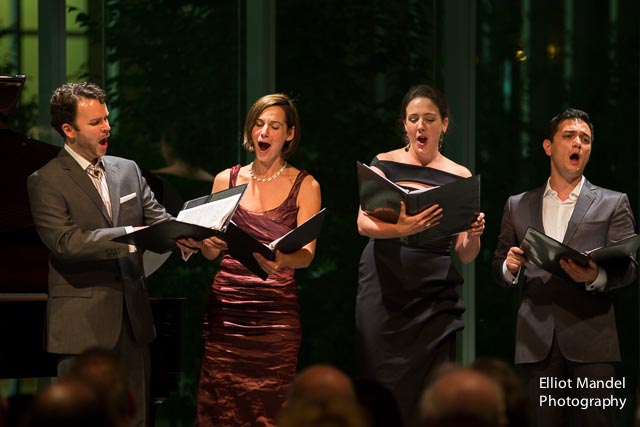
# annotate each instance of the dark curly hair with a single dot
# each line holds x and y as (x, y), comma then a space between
(64, 102)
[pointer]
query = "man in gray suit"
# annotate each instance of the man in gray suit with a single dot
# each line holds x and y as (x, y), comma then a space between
(566, 328)
(80, 200)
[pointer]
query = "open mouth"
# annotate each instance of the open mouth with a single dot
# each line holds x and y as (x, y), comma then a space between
(263, 146)
(104, 141)
(574, 158)
(422, 139)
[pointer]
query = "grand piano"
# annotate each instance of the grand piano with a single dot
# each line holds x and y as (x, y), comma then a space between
(24, 267)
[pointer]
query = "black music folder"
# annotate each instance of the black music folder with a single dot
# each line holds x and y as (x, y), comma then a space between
(459, 200)
(546, 252)
(199, 219)
(242, 245)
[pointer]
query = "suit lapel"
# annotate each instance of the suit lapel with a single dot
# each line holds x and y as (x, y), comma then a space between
(83, 181)
(536, 209)
(114, 188)
(585, 199)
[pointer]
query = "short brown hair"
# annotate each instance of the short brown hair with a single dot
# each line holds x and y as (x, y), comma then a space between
(291, 116)
(64, 102)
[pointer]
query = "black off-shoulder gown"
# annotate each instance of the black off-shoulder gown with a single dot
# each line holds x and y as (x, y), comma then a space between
(407, 308)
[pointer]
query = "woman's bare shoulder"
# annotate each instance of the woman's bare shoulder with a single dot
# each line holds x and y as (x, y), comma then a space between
(308, 182)
(221, 181)
(456, 169)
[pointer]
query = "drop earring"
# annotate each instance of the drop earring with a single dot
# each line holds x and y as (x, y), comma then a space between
(406, 147)
(441, 141)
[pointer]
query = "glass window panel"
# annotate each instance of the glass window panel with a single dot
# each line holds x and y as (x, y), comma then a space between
(78, 6)
(29, 67)
(29, 15)
(77, 57)
(6, 53)
(77, 44)
(6, 14)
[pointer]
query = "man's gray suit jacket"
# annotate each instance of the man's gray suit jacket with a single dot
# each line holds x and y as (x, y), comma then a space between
(583, 321)
(92, 280)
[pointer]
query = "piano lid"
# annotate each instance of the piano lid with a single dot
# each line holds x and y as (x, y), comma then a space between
(23, 257)
(10, 90)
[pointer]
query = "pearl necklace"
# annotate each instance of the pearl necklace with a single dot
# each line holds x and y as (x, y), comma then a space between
(271, 178)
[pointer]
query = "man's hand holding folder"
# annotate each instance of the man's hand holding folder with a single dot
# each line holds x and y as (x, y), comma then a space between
(199, 219)
(568, 263)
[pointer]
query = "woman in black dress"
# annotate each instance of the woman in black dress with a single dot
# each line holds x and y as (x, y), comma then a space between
(407, 308)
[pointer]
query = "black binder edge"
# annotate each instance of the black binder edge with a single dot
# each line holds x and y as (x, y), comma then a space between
(161, 236)
(546, 252)
(242, 245)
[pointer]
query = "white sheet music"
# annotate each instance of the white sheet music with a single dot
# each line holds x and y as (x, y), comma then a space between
(212, 214)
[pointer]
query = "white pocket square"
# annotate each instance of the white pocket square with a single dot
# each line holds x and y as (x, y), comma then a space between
(126, 198)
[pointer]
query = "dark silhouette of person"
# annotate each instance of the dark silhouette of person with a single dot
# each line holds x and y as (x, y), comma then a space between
(379, 402)
(3, 410)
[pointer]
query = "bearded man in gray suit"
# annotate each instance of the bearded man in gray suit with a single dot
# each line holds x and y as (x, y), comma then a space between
(566, 328)
(80, 200)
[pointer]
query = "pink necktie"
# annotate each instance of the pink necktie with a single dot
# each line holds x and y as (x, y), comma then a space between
(100, 182)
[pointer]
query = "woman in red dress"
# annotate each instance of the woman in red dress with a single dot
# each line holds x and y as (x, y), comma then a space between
(252, 328)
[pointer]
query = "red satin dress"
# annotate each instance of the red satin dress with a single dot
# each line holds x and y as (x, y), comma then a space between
(251, 330)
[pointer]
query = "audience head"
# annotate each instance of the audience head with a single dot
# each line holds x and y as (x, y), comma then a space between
(103, 370)
(514, 391)
(323, 413)
(321, 383)
(379, 402)
(69, 403)
(64, 103)
(290, 115)
(322, 396)
(462, 397)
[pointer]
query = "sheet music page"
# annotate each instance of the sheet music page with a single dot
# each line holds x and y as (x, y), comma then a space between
(210, 215)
